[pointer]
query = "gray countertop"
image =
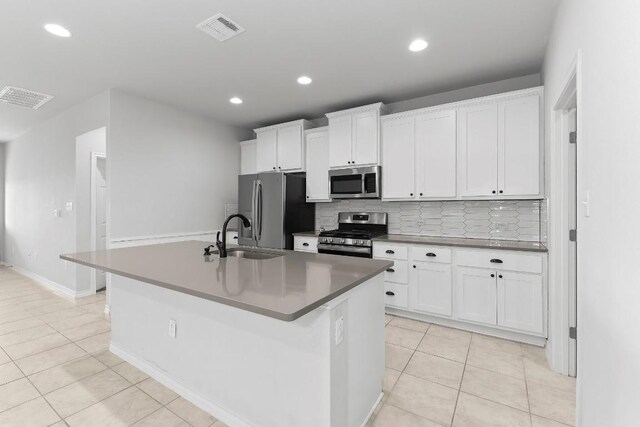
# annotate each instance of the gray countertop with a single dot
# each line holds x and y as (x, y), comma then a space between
(284, 288)
(510, 245)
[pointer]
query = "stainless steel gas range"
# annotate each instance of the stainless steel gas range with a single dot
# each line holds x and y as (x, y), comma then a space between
(353, 235)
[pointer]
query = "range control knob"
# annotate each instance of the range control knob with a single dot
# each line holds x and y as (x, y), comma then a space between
(341, 240)
(359, 242)
(329, 240)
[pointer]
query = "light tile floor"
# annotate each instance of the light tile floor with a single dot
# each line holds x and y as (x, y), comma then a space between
(56, 370)
(437, 376)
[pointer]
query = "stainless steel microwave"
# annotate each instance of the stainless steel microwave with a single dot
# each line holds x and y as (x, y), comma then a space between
(355, 183)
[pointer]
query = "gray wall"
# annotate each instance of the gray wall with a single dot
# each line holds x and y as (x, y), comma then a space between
(169, 171)
(2, 163)
(40, 177)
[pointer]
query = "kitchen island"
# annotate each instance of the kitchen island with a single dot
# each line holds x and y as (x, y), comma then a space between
(294, 339)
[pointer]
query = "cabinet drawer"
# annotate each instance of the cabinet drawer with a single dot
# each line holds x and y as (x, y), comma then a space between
(306, 244)
(500, 260)
(430, 254)
(396, 295)
(232, 237)
(398, 273)
(388, 251)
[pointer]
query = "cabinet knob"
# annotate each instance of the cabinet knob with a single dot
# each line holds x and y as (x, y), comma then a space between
(421, 194)
(307, 197)
(390, 270)
(501, 191)
(493, 192)
(430, 254)
(500, 276)
(279, 167)
(274, 168)
(414, 266)
(493, 275)
(411, 194)
(390, 293)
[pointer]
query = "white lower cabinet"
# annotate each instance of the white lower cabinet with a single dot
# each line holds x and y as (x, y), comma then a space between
(520, 301)
(476, 295)
(396, 295)
(305, 244)
(431, 288)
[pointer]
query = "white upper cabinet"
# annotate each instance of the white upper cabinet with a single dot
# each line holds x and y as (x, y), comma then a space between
(317, 141)
(281, 147)
(500, 149)
(398, 178)
(478, 150)
(519, 147)
(248, 153)
(419, 156)
(354, 136)
(435, 154)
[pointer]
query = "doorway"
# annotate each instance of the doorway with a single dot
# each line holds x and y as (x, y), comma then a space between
(572, 220)
(98, 214)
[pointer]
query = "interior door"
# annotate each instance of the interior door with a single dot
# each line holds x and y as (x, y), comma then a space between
(431, 289)
(436, 161)
(289, 148)
(476, 295)
(340, 141)
(397, 158)
(478, 150)
(270, 210)
(365, 147)
(266, 151)
(519, 147)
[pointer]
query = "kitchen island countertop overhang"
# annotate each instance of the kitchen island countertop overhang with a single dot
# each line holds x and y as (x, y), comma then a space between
(285, 287)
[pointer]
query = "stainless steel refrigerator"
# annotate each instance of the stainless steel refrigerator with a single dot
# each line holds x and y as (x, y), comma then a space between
(275, 203)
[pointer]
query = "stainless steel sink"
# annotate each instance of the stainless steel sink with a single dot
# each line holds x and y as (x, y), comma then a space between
(252, 254)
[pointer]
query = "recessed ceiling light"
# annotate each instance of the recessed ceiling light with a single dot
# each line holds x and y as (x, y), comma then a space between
(57, 30)
(304, 80)
(418, 45)
(235, 100)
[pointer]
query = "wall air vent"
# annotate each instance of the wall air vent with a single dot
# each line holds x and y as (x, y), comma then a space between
(220, 27)
(24, 97)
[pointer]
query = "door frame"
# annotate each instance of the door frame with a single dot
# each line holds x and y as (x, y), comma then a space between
(94, 171)
(570, 96)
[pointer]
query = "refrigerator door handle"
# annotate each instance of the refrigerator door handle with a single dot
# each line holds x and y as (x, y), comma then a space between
(259, 206)
(254, 220)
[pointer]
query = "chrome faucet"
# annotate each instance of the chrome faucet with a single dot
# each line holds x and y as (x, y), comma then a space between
(222, 244)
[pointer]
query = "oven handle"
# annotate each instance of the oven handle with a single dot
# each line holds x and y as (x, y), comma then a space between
(338, 248)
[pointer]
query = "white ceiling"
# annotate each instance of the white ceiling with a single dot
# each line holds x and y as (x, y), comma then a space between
(355, 51)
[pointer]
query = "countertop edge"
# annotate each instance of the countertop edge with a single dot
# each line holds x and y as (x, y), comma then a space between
(287, 317)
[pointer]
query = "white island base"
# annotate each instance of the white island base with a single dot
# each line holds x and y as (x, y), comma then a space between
(247, 369)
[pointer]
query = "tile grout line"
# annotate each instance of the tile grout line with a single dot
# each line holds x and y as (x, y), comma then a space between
(464, 369)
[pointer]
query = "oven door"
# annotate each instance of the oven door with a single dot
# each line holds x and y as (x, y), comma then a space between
(356, 251)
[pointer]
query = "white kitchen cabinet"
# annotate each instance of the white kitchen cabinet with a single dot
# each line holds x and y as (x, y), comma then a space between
(499, 148)
(476, 295)
(398, 177)
(354, 136)
(419, 156)
(248, 157)
(305, 244)
(281, 147)
(478, 150)
(519, 147)
(317, 152)
(435, 155)
(431, 288)
(520, 300)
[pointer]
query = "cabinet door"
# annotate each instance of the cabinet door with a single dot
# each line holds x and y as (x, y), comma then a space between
(248, 158)
(476, 295)
(435, 153)
(365, 145)
(340, 141)
(431, 288)
(519, 147)
(478, 150)
(290, 150)
(397, 159)
(520, 301)
(266, 151)
(318, 166)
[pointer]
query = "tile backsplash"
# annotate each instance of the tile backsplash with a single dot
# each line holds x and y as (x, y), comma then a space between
(503, 220)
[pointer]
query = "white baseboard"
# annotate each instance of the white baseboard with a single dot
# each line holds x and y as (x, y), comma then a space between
(194, 397)
(375, 405)
(56, 288)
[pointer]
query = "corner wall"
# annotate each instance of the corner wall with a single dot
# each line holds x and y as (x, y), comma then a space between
(607, 34)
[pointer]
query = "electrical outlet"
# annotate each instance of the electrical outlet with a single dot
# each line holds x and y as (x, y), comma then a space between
(172, 328)
(339, 329)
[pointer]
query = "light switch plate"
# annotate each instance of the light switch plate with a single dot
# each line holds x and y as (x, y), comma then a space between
(172, 328)
(69, 206)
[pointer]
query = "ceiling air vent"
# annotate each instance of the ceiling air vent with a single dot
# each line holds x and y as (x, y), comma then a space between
(24, 97)
(220, 27)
